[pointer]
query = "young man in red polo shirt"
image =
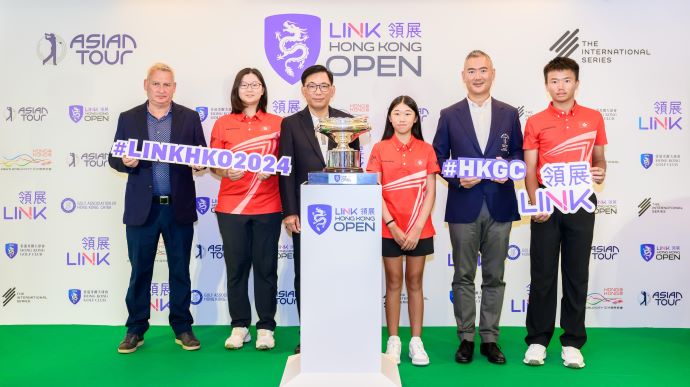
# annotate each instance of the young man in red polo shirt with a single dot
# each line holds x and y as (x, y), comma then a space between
(564, 132)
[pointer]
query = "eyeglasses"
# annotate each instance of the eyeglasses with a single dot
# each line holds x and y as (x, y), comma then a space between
(253, 86)
(324, 87)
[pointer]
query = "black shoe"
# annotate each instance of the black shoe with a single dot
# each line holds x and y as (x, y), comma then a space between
(130, 343)
(492, 352)
(297, 349)
(188, 341)
(465, 352)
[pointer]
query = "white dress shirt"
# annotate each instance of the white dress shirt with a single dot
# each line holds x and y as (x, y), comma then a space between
(321, 138)
(481, 120)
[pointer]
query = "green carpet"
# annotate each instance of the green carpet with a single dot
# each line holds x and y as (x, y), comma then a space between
(87, 356)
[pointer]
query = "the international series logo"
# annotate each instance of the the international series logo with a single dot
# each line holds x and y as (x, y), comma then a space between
(591, 50)
(656, 208)
(9, 295)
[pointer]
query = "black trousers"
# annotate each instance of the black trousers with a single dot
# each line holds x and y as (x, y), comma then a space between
(251, 241)
(296, 248)
(142, 244)
(571, 235)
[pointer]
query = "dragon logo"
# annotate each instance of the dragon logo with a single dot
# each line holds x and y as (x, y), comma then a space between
(292, 43)
(319, 217)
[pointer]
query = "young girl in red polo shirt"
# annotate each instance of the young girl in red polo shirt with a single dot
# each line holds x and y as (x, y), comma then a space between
(249, 210)
(406, 167)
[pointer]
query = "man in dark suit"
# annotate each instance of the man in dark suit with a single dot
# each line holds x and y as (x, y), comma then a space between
(307, 148)
(159, 199)
(479, 212)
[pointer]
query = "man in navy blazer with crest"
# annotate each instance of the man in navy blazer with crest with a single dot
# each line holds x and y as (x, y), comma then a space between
(479, 212)
(160, 199)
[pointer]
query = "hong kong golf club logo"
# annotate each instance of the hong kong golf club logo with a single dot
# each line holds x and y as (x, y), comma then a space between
(292, 43)
(320, 216)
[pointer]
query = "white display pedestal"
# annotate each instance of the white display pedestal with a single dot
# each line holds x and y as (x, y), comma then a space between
(341, 291)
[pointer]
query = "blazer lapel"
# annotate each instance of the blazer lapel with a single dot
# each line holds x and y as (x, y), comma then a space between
(142, 122)
(176, 126)
(310, 134)
(466, 121)
(493, 132)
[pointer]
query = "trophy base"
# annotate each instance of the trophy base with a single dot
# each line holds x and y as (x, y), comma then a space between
(343, 170)
(343, 161)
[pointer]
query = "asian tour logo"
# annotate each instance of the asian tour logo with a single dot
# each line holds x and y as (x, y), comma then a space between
(51, 49)
(94, 49)
(26, 113)
(292, 42)
(670, 298)
(319, 216)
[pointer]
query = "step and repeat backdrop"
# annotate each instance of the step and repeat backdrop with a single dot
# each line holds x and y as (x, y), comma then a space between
(69, 69)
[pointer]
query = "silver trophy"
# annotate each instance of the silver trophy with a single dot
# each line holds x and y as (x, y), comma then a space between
(343, 131)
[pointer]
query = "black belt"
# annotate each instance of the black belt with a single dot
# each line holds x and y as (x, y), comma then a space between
(162, 199)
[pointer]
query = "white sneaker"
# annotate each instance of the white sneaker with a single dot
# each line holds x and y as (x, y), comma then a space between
(238, 337)
(535, 355)
(572, 357)
(393, 348)
(417, 352)
(264, 339)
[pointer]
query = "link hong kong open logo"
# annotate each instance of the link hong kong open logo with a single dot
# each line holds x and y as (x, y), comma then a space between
(292, 43)
(320, 216)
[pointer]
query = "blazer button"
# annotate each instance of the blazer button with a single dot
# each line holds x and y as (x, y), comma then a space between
(150, 186)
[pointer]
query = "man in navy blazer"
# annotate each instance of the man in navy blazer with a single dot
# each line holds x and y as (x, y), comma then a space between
(479, 212)
(159, 200)
(300, 141)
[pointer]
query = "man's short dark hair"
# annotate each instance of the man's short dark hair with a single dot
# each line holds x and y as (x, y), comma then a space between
(316, 69)
(559, 64)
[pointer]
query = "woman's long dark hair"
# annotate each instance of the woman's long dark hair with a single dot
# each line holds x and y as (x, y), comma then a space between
(416, 127)
(235, 101)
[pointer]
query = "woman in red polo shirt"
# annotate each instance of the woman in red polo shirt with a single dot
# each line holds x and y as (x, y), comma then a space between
(406, 166)
(249, 210)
